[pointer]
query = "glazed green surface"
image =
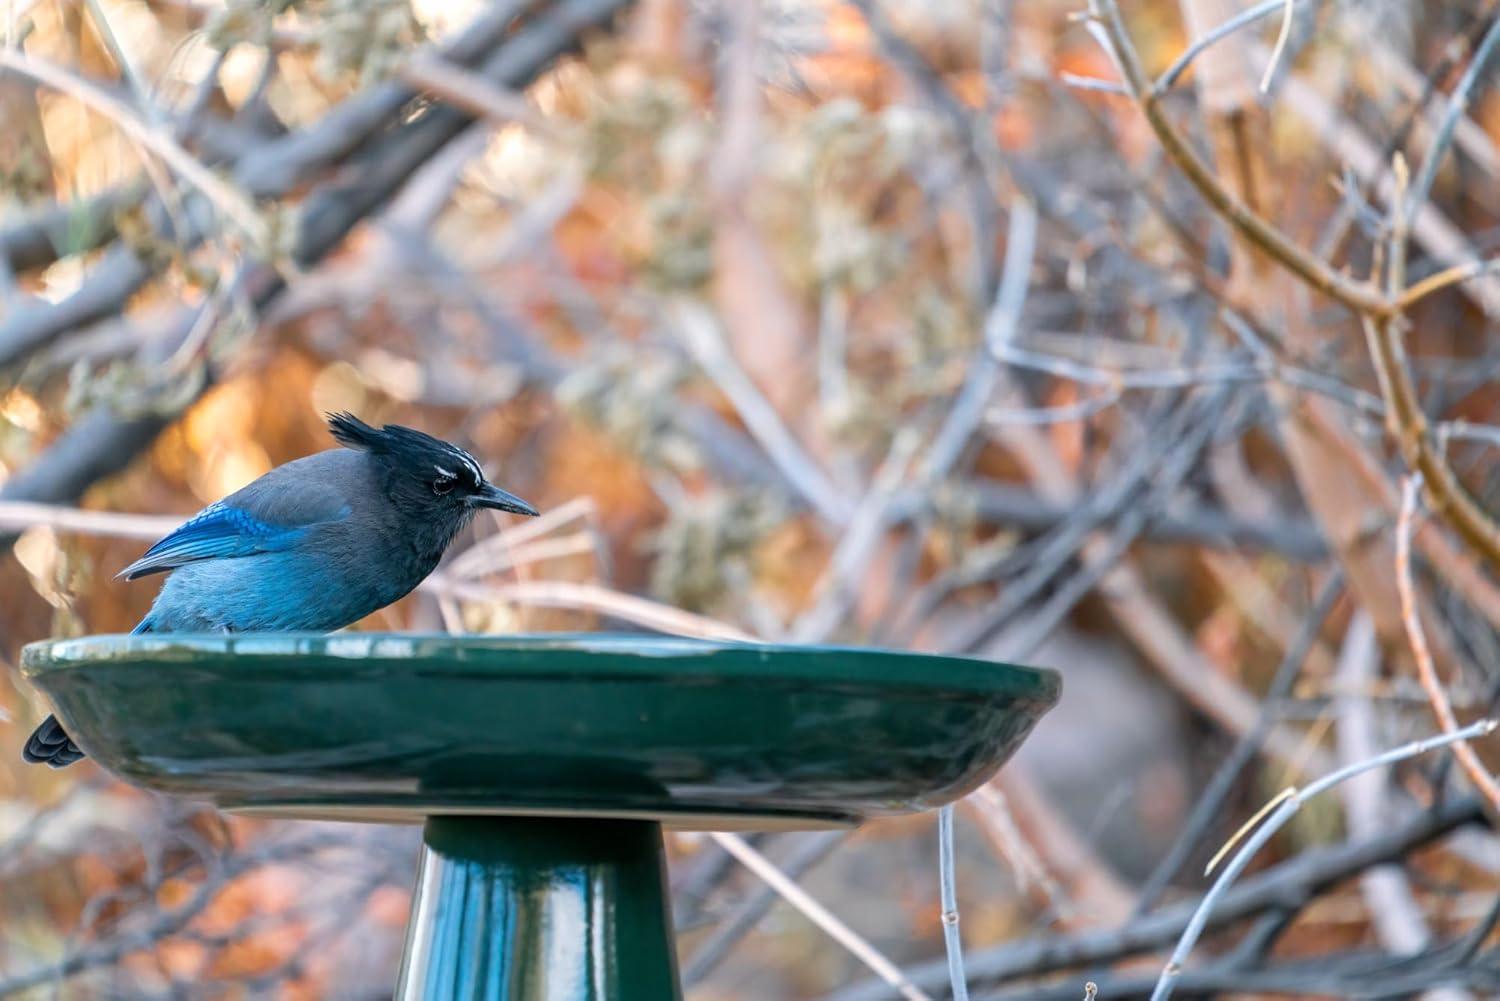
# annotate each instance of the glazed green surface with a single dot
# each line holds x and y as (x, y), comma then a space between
(539, 909)
(391, 726)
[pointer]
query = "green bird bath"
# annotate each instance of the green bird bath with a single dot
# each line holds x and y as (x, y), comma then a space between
(544, 768)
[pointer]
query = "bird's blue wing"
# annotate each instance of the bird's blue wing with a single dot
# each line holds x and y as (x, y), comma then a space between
(220, 531)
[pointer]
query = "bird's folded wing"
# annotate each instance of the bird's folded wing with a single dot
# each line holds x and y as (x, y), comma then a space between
(223, 531)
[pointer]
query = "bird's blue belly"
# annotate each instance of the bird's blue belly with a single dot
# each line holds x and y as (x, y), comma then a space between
(269, 592)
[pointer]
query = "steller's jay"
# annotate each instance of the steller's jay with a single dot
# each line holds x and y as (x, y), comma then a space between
(315, 544)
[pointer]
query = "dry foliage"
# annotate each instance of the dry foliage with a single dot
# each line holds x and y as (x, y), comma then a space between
(1083, 334)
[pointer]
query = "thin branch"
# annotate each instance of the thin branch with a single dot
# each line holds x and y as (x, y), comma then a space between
(811, 849)
(820, 915)
(1458, 273)
(1483, 781)
(590, 598)
(1263, 834)
(702, 339)
(1458, 103)
(229, 199)
(953, 942)
(1211, 802)
(17, 516)
(1168, 79)
(1400, 926)
(1408, 425)
(1282, 37)
(481, 98)
(1300, 878)
(990, 805)
(1361, 297)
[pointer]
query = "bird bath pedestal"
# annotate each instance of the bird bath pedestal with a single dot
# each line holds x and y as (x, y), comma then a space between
(544, 768)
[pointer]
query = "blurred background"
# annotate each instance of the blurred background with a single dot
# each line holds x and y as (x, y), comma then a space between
(879, 322)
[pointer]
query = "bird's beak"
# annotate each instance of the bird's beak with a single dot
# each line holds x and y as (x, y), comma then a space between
(490, 495)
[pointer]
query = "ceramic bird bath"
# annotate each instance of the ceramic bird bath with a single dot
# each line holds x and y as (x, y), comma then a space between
(544, 768)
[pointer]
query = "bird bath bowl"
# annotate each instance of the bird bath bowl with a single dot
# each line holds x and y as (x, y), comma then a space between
(544, 768)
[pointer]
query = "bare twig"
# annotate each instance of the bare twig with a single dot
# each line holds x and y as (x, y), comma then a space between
(702, 338)
(1169, 77)
(461, 88)
(1458, 104)
(811, 849)
(1279, 51)
(1300, 878)
(991, 808)
(230, 201)
(1454, 275)
(1394, 911)
(1361, 297)
(952, 941)
(590, 598)
(1293, 802)
(1408, 425)
(820, 915)
(16, 516)
(1483, 781)
(1211, 803)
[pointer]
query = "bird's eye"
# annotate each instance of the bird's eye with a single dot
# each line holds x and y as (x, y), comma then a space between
(443, 484)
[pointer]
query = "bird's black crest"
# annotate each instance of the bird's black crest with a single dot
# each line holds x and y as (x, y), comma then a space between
(404, 444)
(351, 432)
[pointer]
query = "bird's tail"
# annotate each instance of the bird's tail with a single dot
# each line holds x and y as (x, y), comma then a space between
(51, 746)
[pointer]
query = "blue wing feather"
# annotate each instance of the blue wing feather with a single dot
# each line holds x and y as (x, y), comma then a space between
(219, 531)
(270, 515)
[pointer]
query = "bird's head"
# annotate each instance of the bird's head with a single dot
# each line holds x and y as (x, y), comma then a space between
(426, 472)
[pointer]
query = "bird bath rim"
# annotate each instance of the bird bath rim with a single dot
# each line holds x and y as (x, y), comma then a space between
(397, 727)
(939, 671)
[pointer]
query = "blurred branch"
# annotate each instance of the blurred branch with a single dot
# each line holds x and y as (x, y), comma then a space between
(1095, 893)
(591, 598)
(1379, 312)
(17, 516)
(1408, 425)
(1179, 66)
(1277, 820)
(1361, 297)
(1458, 104)
(699, 332)
(230, 202)
(733, 927)
(463, 89)
(1294, 882)
(97, 445)
(167, 922)
(981, 158)
(41, 236)
(865, 529)
(1212, 801)
(1480, 776)
(820, 915)
(272, 169)
(279, 166)
(103, 443)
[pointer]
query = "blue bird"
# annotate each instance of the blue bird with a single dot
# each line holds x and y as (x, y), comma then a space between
(316, 544)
